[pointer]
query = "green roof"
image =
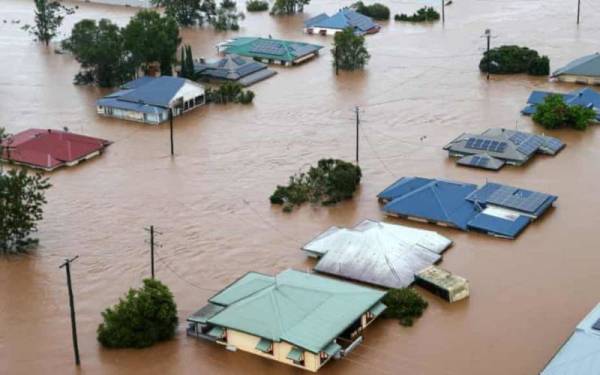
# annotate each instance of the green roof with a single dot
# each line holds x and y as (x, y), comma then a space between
(332, 349)
(267, 48)
(216, 331)
(303, 309)
(295, 354)
(378, 309)
(264, 345)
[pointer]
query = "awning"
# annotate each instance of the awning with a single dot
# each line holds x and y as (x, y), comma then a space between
(332, 349)
(378, 309)
(264, 345)
(295, 354)
(217, 332)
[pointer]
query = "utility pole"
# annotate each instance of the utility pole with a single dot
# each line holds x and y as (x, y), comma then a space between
(152, 244)
(67, 265)
(443, 11)
(357, 111)
(171, 125)
(488, 35)
(578, 10)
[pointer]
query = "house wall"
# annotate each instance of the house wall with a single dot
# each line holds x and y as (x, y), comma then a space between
(148, 118)
(321, 31)
(579, 79)
(247, 343)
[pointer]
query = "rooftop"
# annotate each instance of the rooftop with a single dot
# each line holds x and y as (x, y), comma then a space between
(344, 18)
(49, 149)
(303, 309)
(234, 68)
(584, 66)
(268, 48)
(585, 97)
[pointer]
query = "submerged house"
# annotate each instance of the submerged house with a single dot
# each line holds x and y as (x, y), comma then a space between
(585, 97)
(295, 318)
(271, 51)
(496, 147)
(495, 209)
(49, 149)
(580, 354)
(242, 70)
(345, 18)
(377, 253)
(149, 99)
(585, 70)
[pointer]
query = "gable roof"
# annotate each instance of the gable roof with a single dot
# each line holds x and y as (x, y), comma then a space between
(234, 68)
(584, 66)
(50, 148)
(268, 48)
(501, 144)
(580, 354)
(303, 309)
(585, 97)
(377, 253)
(343, 19)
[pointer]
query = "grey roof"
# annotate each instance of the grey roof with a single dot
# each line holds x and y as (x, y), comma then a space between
(504, 144)
(234, 68)
(482, 160)
(584, 66)
(377, 253)
(580, 354)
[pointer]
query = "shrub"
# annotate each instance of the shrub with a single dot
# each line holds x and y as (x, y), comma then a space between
(554, 113)
(404, 304)
(514, 59)
(257, 6)
(376, 11)
(146, 316)
(349, 50)
(331, 181)
(229, 92)
(424, 14)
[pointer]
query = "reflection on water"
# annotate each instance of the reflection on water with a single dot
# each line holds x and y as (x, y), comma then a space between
(421, 89)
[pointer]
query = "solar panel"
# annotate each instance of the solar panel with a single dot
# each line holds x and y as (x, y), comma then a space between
(518, 138)
(530, 145)
(596, 325)
(486, 144)
(519, 199)
(553, 144)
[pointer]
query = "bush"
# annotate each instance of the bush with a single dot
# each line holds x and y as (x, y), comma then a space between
(422, 15)
(146, 316)
(257, 6)
(554, 113)
(404, 304)
(331, 181)
(229, 92)
(349, 50)
(376, 11)
(514, 59)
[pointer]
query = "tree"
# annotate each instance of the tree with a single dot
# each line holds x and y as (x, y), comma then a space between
(49, 15)
(514, 59)
(554, 113)
(187, 63)
(145, 316)
(226, 17)
(21, 203)
(150, 38)
(349, 51)
(257, 6)
(100, 49)
(424, 14)
(376, 11)
(404, 304)
(229, 92)
(288, 6)
(330, 182)
(185, 12)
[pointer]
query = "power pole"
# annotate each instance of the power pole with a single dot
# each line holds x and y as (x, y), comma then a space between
(357, 111)
(171, 125)
(67, 265)
(443, 11)
(578, 10)
(488, 35)
(152, 244)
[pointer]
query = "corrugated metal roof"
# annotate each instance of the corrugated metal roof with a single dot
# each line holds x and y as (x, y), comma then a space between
(377, 253)
(234, 68)
(580, 354)
(584, 66)
(343, 19)
(303, 309)
(264, 48)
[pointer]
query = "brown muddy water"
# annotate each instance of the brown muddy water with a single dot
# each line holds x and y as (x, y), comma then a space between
(210, 201)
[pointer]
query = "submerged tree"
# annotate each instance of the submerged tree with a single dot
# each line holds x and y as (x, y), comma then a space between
(376, 11)
(49, 15)
(21, 204)
(349, 51)
(288, 6)
(187, 63)
(554, 113)
(226, 17)
(144, 317)
(257, 6)
(185, 12)
(404, 304)
(513, 60)
(424, 14)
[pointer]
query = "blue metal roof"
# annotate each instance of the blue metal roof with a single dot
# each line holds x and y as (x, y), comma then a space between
(157, 91)
(343, 19)
(585, 97)
(584, 66)
(580, 354)
(499, 226)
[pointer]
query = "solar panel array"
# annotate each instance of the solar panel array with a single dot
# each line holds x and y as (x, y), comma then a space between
(519, 199)
(268, 47)
(553, 144)
(478, 161)
(596, 325)
(531, 145)
(518, 138)
(486, 144)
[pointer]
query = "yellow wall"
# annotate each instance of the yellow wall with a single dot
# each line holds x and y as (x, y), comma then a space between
(247, 343)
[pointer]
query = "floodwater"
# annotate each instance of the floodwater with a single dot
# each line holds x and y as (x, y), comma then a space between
(420, 90)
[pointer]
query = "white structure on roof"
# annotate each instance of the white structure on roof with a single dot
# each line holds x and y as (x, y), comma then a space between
(377, 253)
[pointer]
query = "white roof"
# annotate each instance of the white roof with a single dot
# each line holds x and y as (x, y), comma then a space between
(377, 253)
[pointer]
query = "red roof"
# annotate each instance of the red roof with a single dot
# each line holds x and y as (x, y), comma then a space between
(49, 148)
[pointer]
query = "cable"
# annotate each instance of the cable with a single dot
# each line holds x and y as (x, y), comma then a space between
(184, 279)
